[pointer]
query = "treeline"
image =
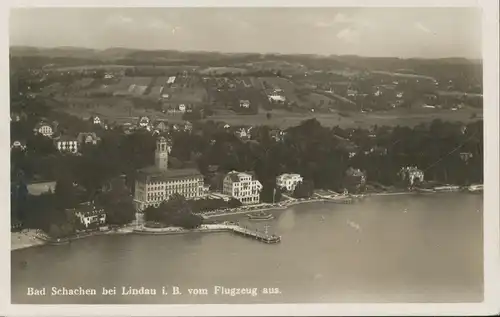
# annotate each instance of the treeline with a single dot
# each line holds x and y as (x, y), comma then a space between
(176, 212)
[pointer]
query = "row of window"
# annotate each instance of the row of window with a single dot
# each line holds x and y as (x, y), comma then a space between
(156, 197)
(249, 200)
(175, 182)
(174, 187)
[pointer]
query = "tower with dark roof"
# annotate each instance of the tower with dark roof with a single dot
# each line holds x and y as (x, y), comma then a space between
(161, 154)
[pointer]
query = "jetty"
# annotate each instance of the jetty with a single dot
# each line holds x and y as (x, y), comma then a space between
(262, 236)
(257, 235)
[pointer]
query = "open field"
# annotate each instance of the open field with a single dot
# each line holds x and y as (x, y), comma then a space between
(155, 91)
(81, 84)
(281, 83)
(283, 119)
(222, 70)
(458, 94)
(90, 67)
(194, 95)
(114, 67)
(119, 111)
(318, 101)
(403, 75)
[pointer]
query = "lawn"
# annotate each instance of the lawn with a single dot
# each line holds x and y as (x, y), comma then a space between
(284, 119)
(284, 84)
(222, 70)
(186, 95)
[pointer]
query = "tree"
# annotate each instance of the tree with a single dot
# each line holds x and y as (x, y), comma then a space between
(268, 115)
(270, 193)
(120, 213)
(65, 192)
(304, 189)
(55, 231)
(174, 212)
(234, 203)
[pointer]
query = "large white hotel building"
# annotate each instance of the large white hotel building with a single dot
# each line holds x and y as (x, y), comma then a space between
(157, 183)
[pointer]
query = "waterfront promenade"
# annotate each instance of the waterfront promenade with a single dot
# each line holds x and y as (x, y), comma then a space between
(206, 228)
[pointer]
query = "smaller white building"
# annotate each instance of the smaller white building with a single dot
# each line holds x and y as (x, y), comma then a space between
(289, 181)
(18, 145)
(244, 104)
(67, 144)
(87, 138)
(44, 129)
(411, 174)
(275, 97)
(182, 108)
(242, 186)
(171, 80)
(89, 214)
(144, 122)
(96, 120)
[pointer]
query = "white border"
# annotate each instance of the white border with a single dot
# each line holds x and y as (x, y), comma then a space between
(491, 157)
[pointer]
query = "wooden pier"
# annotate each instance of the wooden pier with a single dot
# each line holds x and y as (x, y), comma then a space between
(257, 235)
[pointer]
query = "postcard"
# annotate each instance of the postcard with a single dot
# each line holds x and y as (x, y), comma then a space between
(252, 159)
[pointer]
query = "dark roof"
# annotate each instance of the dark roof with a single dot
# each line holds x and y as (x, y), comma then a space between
(83, 135)
(234, 175)
(153, 173)
(89, 208)
(66, 137)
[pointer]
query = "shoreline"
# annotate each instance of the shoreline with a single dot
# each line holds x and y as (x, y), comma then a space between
(335, 200)
(35, 240)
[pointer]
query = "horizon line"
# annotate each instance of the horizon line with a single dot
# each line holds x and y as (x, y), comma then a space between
(240, 53)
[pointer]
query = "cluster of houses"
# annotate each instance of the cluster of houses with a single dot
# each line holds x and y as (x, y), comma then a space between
(411, 174)
(156, 126)
(276, 96)
(157, 183)
(67, 143)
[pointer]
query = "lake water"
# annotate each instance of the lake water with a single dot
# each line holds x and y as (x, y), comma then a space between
(406, 248)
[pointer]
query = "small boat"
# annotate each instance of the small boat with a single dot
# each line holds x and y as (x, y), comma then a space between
(475, 188)
(448, 188)
(261, 216)
(424, 190)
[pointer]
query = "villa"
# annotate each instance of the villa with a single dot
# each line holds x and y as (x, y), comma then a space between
(242, 186)
(289, 181)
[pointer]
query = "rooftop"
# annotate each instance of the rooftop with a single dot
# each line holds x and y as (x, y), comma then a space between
(289, 175)
(89, 208)
(153, 173)
(236, 176)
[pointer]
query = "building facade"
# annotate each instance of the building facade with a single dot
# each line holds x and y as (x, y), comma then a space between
(87, 138)
(288, 181)
(354, 180)
(242, 186)
(67, 144)
(89, 214)
(157, 183)
(411, 174)
(44, 129)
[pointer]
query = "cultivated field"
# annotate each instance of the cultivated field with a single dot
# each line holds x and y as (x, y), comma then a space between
(90, 68)
(285, 85)
(222, 70)
(318, 101)
(193, 95)
(458, 94)
(284, 119)
(114, 109)
(403, 75)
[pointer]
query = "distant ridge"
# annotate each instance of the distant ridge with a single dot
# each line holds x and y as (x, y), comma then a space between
(124, 52)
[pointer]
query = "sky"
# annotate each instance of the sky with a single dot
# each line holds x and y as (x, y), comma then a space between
(377, 32)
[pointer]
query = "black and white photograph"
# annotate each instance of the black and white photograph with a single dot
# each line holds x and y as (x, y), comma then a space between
(250, 155)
